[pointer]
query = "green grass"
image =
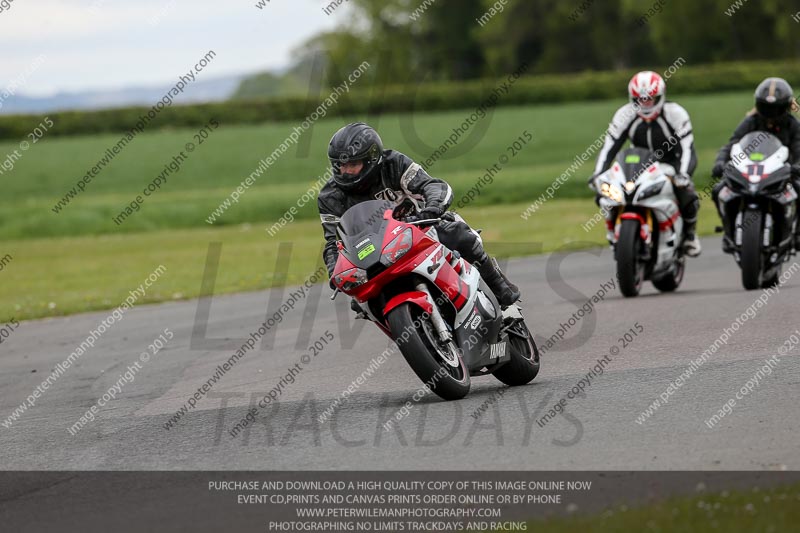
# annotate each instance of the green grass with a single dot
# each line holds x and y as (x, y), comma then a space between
(97, 272)
(51, 167)
(774, 510)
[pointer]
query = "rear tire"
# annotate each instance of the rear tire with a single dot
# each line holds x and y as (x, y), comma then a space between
(421, 351)
(773, 280)
(670, 282)
(752, 258)
(524, 365)
(630, 271)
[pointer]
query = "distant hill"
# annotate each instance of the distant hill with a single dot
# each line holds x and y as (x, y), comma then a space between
(212, 90)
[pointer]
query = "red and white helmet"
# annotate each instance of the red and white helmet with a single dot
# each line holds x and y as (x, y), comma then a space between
(647, 90)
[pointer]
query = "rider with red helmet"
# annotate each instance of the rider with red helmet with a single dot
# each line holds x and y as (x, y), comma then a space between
(663, 127)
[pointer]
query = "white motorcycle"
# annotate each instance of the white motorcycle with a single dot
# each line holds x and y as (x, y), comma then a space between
(646, 226)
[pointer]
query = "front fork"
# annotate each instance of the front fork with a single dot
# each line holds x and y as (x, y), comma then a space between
(442, 331)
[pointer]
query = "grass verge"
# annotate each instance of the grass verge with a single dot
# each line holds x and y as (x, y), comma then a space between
(774, 510)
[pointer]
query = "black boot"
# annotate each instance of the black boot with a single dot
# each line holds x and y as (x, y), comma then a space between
(691, 245)
(727, 245)
(506, 292)
(357, 308)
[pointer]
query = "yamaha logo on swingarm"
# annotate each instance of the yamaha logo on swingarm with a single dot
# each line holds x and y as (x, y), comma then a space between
(497, 351)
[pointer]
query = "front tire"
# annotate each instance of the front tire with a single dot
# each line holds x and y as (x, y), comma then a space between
(524, 365)
(414, 334)
(752, 258)
(630, 271)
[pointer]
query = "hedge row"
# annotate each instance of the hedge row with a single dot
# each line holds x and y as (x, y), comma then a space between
(426, 97)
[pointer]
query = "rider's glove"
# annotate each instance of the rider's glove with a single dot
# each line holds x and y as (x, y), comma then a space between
(424, 214)
(681, 181)
(716, 172)
(591, 182)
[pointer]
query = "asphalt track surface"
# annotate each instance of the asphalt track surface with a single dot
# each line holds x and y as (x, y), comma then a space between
(597, 432)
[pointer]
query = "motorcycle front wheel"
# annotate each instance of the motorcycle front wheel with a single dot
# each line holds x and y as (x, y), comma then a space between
(630, 270)
(752, 257)
(414, 334)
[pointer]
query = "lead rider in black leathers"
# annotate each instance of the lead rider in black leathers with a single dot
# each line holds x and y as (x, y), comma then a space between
(390, 175)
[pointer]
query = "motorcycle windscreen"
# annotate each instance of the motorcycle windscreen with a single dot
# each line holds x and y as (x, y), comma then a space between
(634, 161)
(759, 145)
(752, 166)
(361, 231)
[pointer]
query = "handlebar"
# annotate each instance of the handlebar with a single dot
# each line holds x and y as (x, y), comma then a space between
(424, 222)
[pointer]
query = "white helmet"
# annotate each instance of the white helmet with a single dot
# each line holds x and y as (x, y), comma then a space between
(646, 90)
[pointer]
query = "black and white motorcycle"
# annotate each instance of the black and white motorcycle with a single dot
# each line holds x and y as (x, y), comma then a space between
(644, 221)
(758, 207)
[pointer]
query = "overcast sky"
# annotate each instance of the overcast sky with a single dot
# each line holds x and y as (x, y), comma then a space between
(110, 44)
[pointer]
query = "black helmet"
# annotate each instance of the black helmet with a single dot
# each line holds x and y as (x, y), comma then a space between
(355, 142)
(774, 98)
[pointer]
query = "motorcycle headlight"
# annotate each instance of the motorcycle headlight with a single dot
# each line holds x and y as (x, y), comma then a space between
(397, 247)
(350, 279)
(652, 190)
(612, 191)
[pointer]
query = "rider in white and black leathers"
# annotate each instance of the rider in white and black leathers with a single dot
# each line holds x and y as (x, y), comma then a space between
(651, 122)
(390, 175)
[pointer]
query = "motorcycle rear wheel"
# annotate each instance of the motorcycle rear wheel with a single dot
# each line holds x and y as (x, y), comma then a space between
(671, 281)
(524, 365)
(414, 334)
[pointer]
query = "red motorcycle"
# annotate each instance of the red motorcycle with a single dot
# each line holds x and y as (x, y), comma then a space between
(430, 301)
